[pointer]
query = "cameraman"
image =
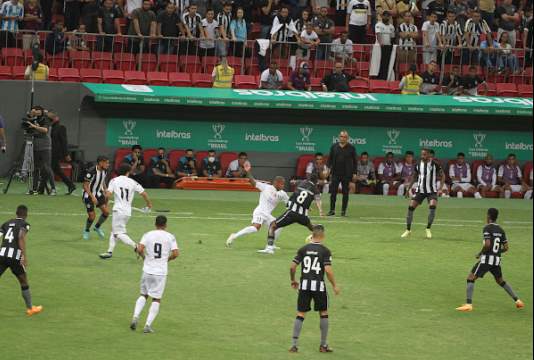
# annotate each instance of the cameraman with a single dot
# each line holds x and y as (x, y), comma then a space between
(60, 150)
(3, 143)
(38, 125)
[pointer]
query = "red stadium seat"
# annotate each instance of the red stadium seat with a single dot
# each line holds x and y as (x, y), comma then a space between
(362, 69)
(174, 157)
(202, 80)
(208, 63)
(323, 67)
(191, 64)
(80, 59)
(169, 63)
(18, 72)
(377, 161)
(179, 79)
(506, 89)
(6, 73)
(360, 52)
(379, 86)
(12, 56)
(148, 154)
(120, 154)
(526, 170)
(359, 86)
(124, 61)
(525, 90)
(199, 157)
(316, 84)
(134, 77)
(302, 163)
(394, 87)
(53, 74)
(68, 74)
(225, 159)
(245, 82)
(58, 61)
(149, 62)
(91, 75)
(102, 60)
(492, 89)
(236, 63)
(113, 76)
(157, 78)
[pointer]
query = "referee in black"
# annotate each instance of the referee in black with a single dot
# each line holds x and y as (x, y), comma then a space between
(342, 163)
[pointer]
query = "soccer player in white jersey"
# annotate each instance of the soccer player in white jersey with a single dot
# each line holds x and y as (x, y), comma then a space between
(158, 247)
(123, 189)
(270, 197)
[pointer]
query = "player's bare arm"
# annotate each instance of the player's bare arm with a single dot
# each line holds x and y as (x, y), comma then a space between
(249, 175)
(144, 195)
(505, 247)
(292, 273)
(485, 248)
(174, 254)
(22, 247)
(86, 188)
(330, 275)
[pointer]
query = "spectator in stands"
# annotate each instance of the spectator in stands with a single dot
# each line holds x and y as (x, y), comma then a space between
(390, 6)
(236, 167)
(89, 15)
(300, 79)
(358, 20)
(325, 28)
(248, 9)
(489, 53)
(388, 175)
(460, 175)
(431, 81)
(451, 35)
(439, 8)
(475, 27)
(137, 164)
(108, 23)
(508, 17)
(271, 78)
(506, 59)
(210, 33)
(408, 35)
(406, 170)
(11, 13)
(238, 33)
(168, 23)
(385, 35)
(284, 31)
(472, 81)
(56, 42)
(510, 177)
(454, 82)
(487, 11)
(319, 167)
(161, 170)
(302, 20)
(308, 41)
(365, 173)
(72, 10)
(193, 29)
(268, 10)
(142, 26)
(77, 40)
(37, 70)
(342, 49)
(224, 19)
(431, 39)
(341, 12)
(3, 142)
(131, 6)
(33, 18)
(460, 10)
(223, 75)
(527, 39)
(337, 81)
(187, 165)
(411, 83)
(407, 6)
(211, 167)
(487, 178)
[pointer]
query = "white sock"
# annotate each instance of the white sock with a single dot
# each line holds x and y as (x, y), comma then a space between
(459, 194)
(139, 305)
(248, 230)
(152, 313)
(277, 234)
(112, 243)
(400, 190)
(528, 195)
(385, 189)
(127, 240)
(507, 194)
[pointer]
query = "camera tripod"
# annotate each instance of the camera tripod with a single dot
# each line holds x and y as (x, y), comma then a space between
(24, 167)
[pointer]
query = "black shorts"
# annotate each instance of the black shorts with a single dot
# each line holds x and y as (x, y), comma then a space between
(16, 267)
(320, 301)
(481, 269)
(291, 217)
(100, 201)
(420, 197)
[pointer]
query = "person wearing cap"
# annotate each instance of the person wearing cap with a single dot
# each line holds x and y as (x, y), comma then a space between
(411, 83)
(300, 79)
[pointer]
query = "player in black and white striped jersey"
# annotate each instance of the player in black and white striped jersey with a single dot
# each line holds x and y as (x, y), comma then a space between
(94, 195)
(13, 254)
(427, 173)
(315, 260)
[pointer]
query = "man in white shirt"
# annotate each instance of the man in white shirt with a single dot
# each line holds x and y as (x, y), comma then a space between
(123, 189)
(272, 78)
(385, 33)
(158, 248)
(236, 167)
(431, 39)
(342, 48)
(460, 174)
(210, 33)
(270, 197)
(358, 20)
(309, 40)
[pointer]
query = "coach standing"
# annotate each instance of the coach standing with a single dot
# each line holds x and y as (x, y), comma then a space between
(342, 162)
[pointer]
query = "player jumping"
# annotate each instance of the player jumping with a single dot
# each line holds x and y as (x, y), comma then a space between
(297, 211)
(94, 194)
(495, 244)
(160, 247)
(123, 189)
(315, 260)
(13, 254)
(426, 173)
(270, 197)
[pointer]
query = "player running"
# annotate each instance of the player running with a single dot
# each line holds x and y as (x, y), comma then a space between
(13, 254)
(123, 189)
(495, 244)
(297, 211)
(94, 194)
(426, 174)
(315, 260)
(158, 247)
(270, 197)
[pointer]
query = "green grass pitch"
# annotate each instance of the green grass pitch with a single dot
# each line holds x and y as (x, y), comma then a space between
(397, 301)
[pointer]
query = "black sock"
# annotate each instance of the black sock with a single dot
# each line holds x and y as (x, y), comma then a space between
(101, 220)
(431, 216)
(409, 218)
(470, 290)
(88, 224)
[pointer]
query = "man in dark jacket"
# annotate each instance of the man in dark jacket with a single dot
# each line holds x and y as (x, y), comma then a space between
(60, 151)
(342, 163)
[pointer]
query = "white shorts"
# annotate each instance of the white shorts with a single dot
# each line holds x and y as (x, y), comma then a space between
(153, 285)
(463, 186)
(118, 223)
(516, 188)
(262, 218)
(493, 187)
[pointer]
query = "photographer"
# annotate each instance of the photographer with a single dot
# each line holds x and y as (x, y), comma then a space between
(60, 150)
(3, 143)
(37, 124)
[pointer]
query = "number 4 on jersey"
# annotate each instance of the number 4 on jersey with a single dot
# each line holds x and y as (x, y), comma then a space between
(309, 265)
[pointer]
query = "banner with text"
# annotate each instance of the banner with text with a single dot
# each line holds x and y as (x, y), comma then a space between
(229, 136)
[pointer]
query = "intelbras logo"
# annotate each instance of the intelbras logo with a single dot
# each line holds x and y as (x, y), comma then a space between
(353, 141)
(434, 143)
(519, 146)
(173, 134)
(306, 94)
(261, 137)
(493, 100)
